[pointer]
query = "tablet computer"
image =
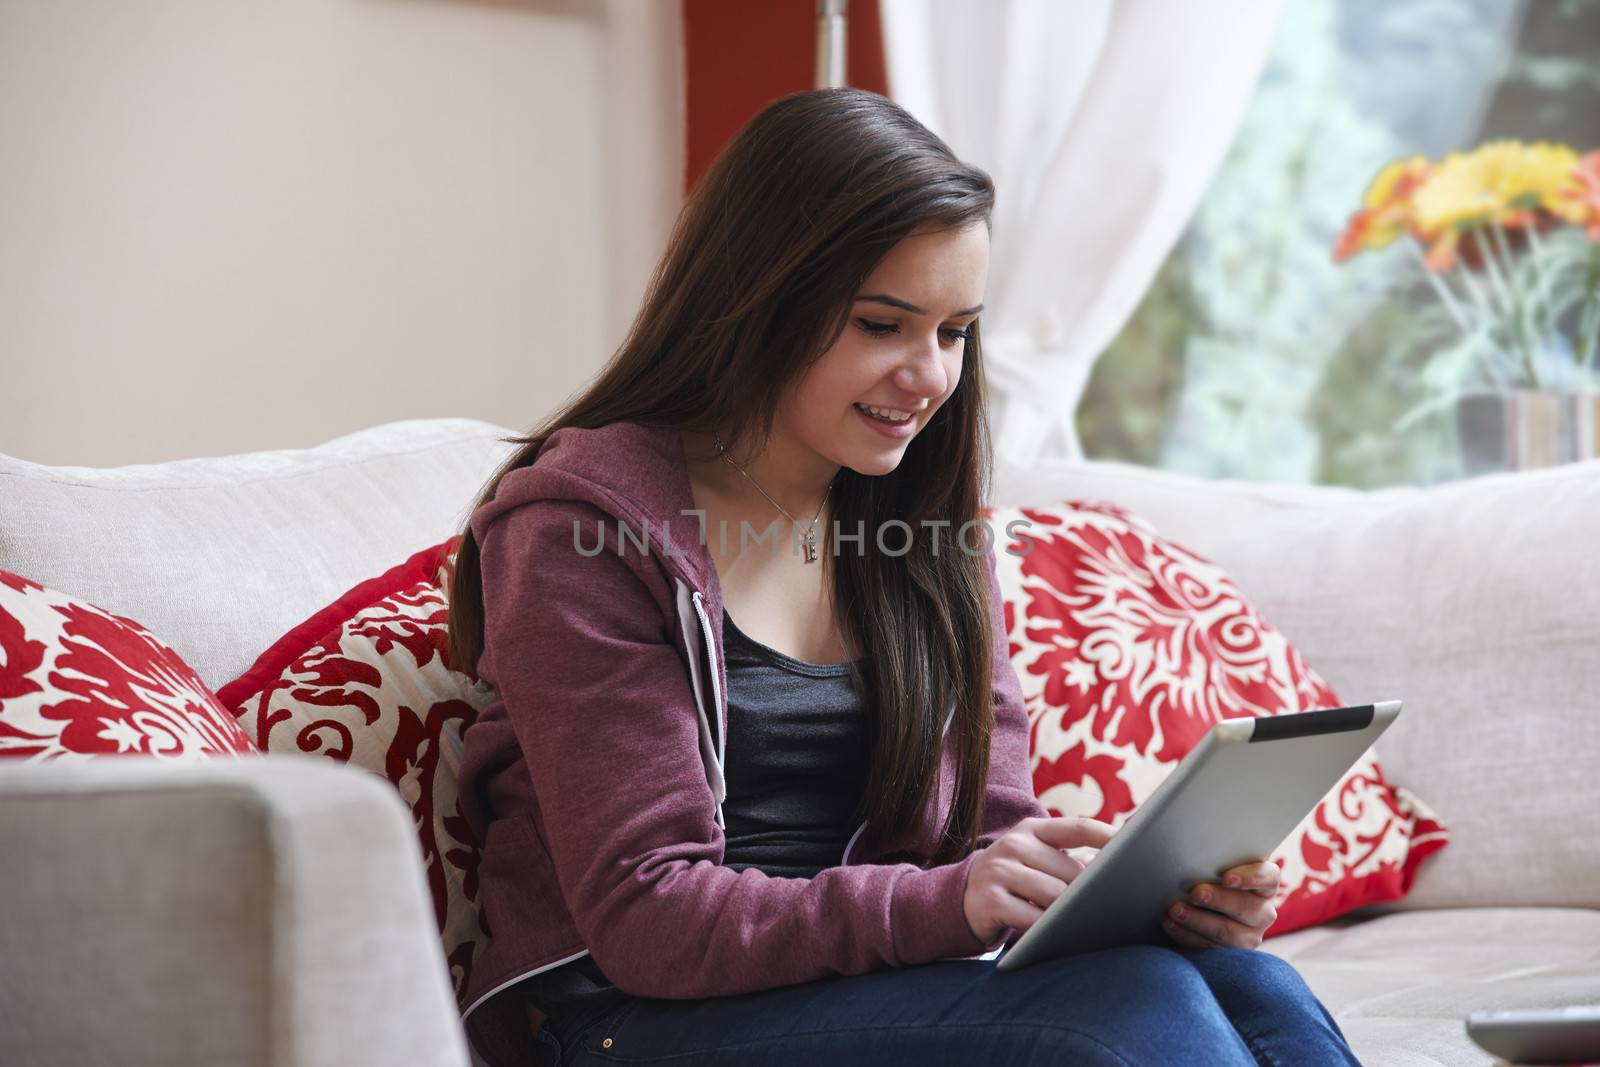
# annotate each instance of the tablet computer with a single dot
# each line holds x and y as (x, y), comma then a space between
(1233, 799)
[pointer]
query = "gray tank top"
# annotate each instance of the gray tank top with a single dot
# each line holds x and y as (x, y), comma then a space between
(798, 751)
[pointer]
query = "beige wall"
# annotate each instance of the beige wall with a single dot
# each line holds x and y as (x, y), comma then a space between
(228, 225)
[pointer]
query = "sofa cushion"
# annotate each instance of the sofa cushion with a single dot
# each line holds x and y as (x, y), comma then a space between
(1474, 601)
(221, 556)
(77, 681)
(367, 681)
(1402, 985)
(1130, 648)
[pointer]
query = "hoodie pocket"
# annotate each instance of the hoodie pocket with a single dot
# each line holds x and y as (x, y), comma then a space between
(520, 875)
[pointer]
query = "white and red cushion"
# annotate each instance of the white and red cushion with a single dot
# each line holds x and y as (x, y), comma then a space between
(77, 682)
(1129, 647)
(366, 681)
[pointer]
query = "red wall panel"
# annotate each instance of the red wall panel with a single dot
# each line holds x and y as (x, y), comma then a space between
(741, 55)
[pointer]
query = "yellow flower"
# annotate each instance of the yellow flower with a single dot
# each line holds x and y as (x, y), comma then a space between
(1395, 181)
(1548, 173)
(1499, 181)
(1504, 182)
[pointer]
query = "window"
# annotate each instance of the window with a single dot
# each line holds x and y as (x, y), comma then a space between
(1254, 355)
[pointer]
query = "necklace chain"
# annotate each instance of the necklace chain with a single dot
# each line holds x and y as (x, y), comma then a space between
(809, 538)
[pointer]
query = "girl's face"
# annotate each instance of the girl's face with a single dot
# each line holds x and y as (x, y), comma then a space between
(900, 353)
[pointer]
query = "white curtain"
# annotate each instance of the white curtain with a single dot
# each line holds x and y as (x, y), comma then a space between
(1101, 123)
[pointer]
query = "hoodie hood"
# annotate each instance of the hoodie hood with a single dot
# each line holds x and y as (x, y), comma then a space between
(638, 477)
(636, 473)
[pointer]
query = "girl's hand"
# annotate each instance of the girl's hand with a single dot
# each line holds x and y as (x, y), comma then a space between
(1234, 914)
(1015, 879)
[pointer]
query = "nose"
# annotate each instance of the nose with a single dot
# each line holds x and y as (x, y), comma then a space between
(923, 371)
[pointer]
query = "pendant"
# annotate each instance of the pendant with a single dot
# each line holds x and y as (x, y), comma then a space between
(808, 541)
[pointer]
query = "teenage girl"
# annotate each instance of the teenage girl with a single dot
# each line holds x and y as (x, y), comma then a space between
(754, 786)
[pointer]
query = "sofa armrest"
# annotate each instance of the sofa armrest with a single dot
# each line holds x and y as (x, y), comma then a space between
(267, 910)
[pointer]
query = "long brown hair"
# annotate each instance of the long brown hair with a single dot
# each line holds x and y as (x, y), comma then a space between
(758, 279)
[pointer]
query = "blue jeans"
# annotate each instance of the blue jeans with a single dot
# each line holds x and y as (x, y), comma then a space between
(1136, 1005)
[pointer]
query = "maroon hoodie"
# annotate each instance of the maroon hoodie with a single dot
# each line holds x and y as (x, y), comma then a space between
(595, 780)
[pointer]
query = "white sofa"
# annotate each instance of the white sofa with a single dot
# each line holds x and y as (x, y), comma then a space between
(273, 911)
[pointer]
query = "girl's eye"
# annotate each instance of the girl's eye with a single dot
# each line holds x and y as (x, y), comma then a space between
(879, 329)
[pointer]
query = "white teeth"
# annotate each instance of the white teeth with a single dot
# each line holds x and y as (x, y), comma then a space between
(886, 414)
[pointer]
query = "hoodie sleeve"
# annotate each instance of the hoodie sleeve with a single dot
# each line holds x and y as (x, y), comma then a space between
(1009, 796)
(582, 650)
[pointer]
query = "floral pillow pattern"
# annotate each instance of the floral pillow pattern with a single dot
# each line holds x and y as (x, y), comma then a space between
(78, 682)
(1129, 647)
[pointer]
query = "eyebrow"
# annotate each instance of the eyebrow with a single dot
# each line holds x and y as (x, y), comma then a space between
(906, 305)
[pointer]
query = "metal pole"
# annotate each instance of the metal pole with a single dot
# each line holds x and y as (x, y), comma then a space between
(831, 16)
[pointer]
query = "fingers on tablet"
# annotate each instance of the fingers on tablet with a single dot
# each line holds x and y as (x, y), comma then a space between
(1248, 908)
(1261, 877)
(1065, 832)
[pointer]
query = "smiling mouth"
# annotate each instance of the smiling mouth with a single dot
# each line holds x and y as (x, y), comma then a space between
(887, 416)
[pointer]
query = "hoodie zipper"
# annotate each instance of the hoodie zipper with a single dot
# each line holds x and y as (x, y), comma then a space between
(716, 682)
(714, 749)
(712, 743)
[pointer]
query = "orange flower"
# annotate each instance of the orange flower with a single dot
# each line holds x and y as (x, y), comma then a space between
(1386, 210)
(1584, 195)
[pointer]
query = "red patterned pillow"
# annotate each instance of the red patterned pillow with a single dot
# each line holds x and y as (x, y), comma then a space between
(366, 681)
(1130, 647)
(77, 682)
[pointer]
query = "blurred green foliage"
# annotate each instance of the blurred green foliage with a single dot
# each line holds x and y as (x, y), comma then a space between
(1130, 394)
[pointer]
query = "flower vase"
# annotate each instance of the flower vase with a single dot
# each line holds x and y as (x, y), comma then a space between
(1526, 428)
